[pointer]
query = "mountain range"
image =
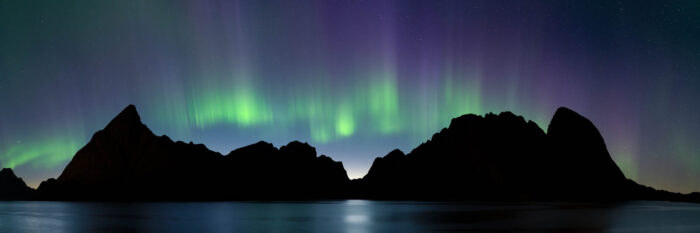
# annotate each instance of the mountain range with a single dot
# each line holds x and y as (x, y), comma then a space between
(496, 157)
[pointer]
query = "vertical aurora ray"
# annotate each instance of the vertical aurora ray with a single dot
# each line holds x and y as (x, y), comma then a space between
(240, 105)
(461, 97)
(344, 121)
(383, 102)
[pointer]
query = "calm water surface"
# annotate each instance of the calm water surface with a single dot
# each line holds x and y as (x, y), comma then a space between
(347, 216)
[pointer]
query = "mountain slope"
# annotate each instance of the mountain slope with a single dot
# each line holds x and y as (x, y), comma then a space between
(12, 187)
(126, 161)
(503, 157)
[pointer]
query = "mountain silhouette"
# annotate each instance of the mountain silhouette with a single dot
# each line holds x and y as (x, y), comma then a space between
(496, 157)
(126, 161)
(586, 170)
(503, 157)
(13, 188)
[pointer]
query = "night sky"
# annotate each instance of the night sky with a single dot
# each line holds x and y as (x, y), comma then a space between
(355, 79)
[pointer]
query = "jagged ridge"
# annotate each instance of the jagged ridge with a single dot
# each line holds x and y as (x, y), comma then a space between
(13, 187)
(494, 157)
(126, 161)
(504, 157)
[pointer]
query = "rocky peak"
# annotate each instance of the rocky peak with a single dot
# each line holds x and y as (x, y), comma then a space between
(299, 149)
(579, 146)
(7, 172)
(127, 118)
(395, 154)
(12, 187)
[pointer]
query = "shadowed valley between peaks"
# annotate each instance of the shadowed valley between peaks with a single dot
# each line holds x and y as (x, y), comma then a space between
(496, 157)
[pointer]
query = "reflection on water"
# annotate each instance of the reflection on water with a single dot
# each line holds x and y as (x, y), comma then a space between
(347, 216)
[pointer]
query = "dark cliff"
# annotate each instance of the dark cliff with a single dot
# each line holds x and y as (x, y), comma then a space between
(503, 157)
(13, 187)
(126, 161)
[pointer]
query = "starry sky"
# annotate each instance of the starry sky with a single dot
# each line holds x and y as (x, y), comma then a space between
(355, 79)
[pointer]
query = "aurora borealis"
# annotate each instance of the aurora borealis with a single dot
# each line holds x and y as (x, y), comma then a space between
(355, 79)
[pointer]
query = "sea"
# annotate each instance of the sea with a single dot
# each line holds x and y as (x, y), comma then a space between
(348, 216)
